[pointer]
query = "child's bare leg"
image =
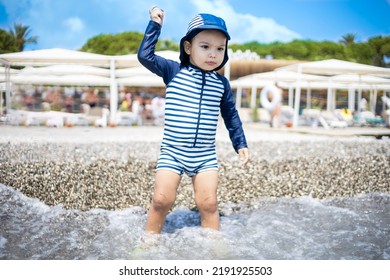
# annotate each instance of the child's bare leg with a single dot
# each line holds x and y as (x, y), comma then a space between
(166, 184)
(205, 186)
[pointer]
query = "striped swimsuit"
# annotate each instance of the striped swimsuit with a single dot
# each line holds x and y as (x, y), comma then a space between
(192, 105)
(194, 100)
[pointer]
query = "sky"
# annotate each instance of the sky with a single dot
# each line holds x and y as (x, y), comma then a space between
(70, 23)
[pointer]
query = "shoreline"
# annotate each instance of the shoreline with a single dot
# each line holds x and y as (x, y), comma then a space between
(253, 132)
(86, 168)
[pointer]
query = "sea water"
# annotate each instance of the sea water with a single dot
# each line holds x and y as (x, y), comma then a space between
(272, 228)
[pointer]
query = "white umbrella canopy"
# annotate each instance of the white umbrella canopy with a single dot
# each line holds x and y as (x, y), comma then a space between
(336, 67)
(343, 81)
(251, 83)
(56, 56)
(355, 78)
(272, 77)
(66, 69)
(283, 76)
(131, 60)
(81, 79)
(125, 61)
(336, 85)
(132, 71)
(172, 55)
(260, 80)
(149, 80)
(139, 75)
(62, 56)
(11, 70)
(330, 67)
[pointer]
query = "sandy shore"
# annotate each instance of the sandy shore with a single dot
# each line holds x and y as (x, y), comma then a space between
(113, 168)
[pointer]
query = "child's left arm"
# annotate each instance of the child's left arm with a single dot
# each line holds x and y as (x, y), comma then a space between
(244, 156)
(233, 123)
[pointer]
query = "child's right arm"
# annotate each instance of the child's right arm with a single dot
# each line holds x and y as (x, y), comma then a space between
(164, 68)
(156, 14)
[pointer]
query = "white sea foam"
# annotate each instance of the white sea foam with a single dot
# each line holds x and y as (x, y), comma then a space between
(282, 228)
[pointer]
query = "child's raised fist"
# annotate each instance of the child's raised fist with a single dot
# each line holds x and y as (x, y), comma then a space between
(156, 14)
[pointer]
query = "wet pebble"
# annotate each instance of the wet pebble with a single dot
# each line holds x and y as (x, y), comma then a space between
(117, 175)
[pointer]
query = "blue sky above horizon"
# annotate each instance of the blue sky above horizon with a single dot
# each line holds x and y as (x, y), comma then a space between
(70, 23)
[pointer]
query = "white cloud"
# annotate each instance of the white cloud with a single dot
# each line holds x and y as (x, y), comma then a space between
(58, 23)
(75, 24)
(246, 27)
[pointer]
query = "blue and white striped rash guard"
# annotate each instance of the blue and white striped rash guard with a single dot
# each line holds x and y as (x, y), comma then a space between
(192, 108)
(194, 99)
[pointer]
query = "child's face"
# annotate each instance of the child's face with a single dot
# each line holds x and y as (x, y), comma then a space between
(207, 49)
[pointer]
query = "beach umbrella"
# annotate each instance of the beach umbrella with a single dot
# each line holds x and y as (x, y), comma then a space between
(355, 78)
(81, 79)
(55, 56)
(66, 69)
(171, 55)
(351, 87)
(149, 80)
(11, 71)
(131, 60)
(259, 80)
(58, 56)
(361, 82)
(64, 56)
(126, 61)
(132, 71)
(272, 77)
(5, 75)
(330, 67)
(336, 85)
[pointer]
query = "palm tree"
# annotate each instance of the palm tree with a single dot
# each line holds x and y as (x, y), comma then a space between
(348, 39)
(7, 42)
(21, 35)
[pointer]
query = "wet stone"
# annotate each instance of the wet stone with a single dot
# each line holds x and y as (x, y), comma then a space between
(117, 175)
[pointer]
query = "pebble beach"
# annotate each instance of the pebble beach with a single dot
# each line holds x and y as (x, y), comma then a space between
(113, 168)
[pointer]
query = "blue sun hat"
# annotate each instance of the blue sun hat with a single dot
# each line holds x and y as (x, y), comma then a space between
(199, 23)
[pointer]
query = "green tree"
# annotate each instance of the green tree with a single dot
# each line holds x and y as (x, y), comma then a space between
(375, 52)
(7, 42)
(328, 50)
(359, 52)
(122, 43)
(297, 49)
(109, 44)
(348, 39)
(380, 48)
(21, 35)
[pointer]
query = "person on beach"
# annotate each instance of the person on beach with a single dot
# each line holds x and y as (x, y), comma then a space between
(276, 111)
(195, 94)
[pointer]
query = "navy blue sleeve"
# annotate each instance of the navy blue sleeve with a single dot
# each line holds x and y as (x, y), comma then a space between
(231, 118)
(164, 68)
